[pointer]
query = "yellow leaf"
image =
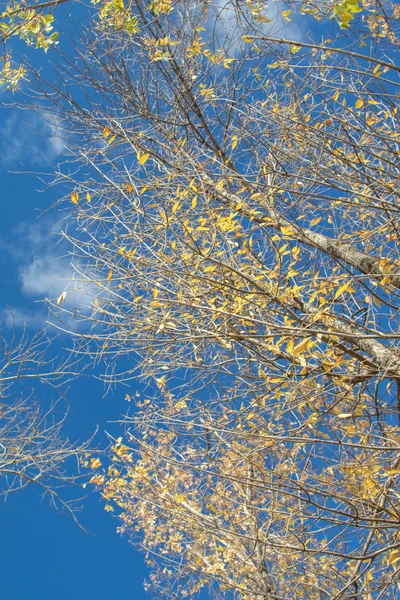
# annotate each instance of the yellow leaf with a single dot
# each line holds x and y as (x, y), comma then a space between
(336, 95)
(110, 274)
(142, 157)
(112, 138)
(301, 346)
(289, 347)
(194, 202)
(97, 480)
(315, 221)
(342, 289)
(75, 197)
(129, 188)
(394, 557)
(288, 230)
(262, 373)
(377, 302)
(95, 463)
(88, 197)
(106, 132)
(292, 273)
(359, 103)
(370, 575)
(179, 498)
(175, 207)
(235, 140)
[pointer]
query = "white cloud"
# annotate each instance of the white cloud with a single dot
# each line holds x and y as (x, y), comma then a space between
(44, 277)
(47, 276)
(20, 318)
(30, 139)
(43, 273)
(230, 22)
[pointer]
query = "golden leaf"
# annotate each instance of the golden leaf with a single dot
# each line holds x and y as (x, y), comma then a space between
(342, 289)
(301, 346)
(142, 158)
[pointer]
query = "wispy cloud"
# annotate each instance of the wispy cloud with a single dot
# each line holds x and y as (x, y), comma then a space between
(43, 272)
(30, 139)
(231, 21)
(19, 318)
(45, 276)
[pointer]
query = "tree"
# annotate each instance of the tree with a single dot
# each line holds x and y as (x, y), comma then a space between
(33, 449)
(32, 23)
(236, 203)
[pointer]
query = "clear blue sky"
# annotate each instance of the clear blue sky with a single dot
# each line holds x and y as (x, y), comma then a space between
(43, 554)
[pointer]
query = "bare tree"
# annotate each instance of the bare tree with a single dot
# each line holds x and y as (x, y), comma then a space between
(237, 224)
(33, 448)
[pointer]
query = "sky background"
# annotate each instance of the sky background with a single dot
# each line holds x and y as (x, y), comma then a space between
(44, 555)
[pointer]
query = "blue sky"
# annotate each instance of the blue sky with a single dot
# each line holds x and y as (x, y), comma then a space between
(44, 555)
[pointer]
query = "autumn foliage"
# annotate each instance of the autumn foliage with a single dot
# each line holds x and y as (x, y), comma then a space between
(237, 225)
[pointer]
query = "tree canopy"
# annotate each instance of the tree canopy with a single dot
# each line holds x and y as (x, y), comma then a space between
(236, 206)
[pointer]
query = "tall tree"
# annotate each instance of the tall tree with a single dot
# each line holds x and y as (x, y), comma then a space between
(237, 221)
